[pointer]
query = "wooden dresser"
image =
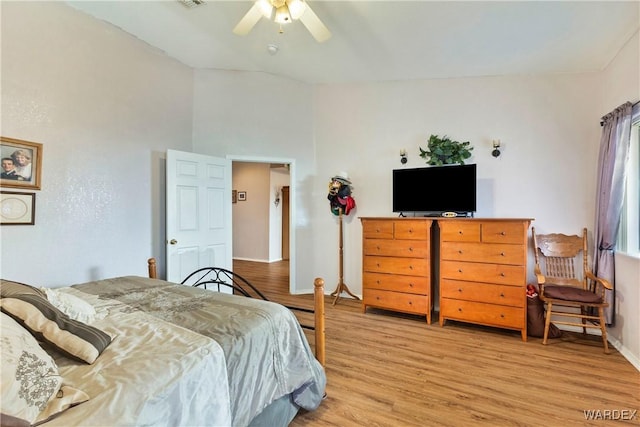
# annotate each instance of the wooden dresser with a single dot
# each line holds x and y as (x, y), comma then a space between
(483, 272)
(397, 264)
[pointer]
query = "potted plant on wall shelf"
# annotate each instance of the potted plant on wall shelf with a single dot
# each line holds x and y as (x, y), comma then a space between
(444, 151)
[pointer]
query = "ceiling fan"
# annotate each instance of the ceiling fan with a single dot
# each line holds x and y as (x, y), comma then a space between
(283, 12)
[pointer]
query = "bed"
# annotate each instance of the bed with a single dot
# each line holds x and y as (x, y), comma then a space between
(177, 355)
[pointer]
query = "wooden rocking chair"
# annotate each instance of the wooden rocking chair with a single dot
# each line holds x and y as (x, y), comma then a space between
(563, 283)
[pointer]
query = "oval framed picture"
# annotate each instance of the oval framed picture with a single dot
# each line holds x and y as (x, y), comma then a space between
(17, 208)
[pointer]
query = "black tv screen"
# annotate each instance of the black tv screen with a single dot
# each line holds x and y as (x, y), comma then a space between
(435, 189)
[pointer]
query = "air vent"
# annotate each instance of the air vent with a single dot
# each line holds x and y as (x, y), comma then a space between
(191, 3)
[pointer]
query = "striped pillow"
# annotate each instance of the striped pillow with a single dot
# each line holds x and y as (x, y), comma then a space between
(48, 324)
(10, 288)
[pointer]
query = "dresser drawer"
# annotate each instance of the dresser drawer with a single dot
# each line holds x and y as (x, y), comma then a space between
(396, 301)
(398, 248)
(411, 229)
(459, 231)
(513, 275)
(392, 265)
(497, 253)
(397, 283)
(483, 292)
(372, 229)
(503, 232)
(486, 314)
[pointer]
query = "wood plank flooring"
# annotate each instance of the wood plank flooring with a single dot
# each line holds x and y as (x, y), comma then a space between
(387, 369)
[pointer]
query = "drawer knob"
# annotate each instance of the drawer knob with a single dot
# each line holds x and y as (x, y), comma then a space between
(460, 309)
(378, 265)
(411, 285)
(378, 298)
(460, 252)
(459, 270)
(501, 253)
(410, 249)
(378, 247)
(411, 267)
(459, 289)
(502, 294)
(502, 233)
(502, 274)
(410, 303)
(502, 315)
(410, 230)
(460, 232)
(378, 282)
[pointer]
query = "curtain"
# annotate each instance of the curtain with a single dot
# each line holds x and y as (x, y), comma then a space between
(612, 165)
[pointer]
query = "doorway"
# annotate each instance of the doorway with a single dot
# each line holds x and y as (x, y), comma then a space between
(275, 197)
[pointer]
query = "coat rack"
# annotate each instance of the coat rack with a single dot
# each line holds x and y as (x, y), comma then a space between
(342, 287)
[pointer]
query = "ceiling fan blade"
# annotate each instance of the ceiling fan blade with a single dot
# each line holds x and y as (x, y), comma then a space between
(315, 25)
(248, 21)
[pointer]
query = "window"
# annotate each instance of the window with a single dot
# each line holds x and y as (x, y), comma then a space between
(629, 233)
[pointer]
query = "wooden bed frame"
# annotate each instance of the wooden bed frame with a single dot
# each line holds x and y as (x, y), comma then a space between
(318, 305)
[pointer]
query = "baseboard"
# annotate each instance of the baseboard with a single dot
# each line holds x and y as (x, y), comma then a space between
(251, 259)
(266, 261)
(624, 351)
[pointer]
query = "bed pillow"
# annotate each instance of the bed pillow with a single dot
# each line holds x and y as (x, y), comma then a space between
(9, 288)
(74, 307)
(48, 324)
(32, 390)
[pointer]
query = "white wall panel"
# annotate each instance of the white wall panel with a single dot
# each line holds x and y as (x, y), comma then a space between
(106, 107)
(188, 208)
(215, 211)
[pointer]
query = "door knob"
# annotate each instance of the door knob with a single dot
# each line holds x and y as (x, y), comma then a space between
(173, 241)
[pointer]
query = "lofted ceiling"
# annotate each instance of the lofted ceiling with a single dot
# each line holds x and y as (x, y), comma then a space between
(386, 40)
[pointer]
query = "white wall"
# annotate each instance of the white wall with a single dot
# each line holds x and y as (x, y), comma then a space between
(622, 84)
(105, 107)
(549, 128)
(261, 115)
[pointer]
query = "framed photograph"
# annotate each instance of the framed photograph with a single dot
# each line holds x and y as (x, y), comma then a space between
(234, 196)
(17, 208)
(242, 196)
(21, 163)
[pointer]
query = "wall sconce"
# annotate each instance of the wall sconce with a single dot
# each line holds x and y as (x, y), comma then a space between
(496, 148)
(276, 201)
(403, 156)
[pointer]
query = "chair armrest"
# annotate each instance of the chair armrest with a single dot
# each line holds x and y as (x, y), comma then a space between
(605, 283)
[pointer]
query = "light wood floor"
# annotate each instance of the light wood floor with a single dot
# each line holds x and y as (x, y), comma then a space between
(385, 369)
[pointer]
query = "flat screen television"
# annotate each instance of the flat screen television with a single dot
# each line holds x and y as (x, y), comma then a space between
(435, 190)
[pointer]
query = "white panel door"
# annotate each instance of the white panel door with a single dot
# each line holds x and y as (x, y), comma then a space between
(199, 229)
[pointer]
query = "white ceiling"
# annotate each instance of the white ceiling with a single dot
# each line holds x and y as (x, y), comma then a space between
(387, 40)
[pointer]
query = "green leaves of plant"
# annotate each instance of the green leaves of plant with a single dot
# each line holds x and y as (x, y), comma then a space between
(444, 151)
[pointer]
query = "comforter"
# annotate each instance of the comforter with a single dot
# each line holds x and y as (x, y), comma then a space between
(188, 356)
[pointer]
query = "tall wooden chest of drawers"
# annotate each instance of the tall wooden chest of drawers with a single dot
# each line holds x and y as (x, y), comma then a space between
(483, 272)
(397, 264)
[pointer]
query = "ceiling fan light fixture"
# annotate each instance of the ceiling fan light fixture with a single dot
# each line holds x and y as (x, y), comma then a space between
(282, 12)
(296, 8)
(266, 8)
(282, 15)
